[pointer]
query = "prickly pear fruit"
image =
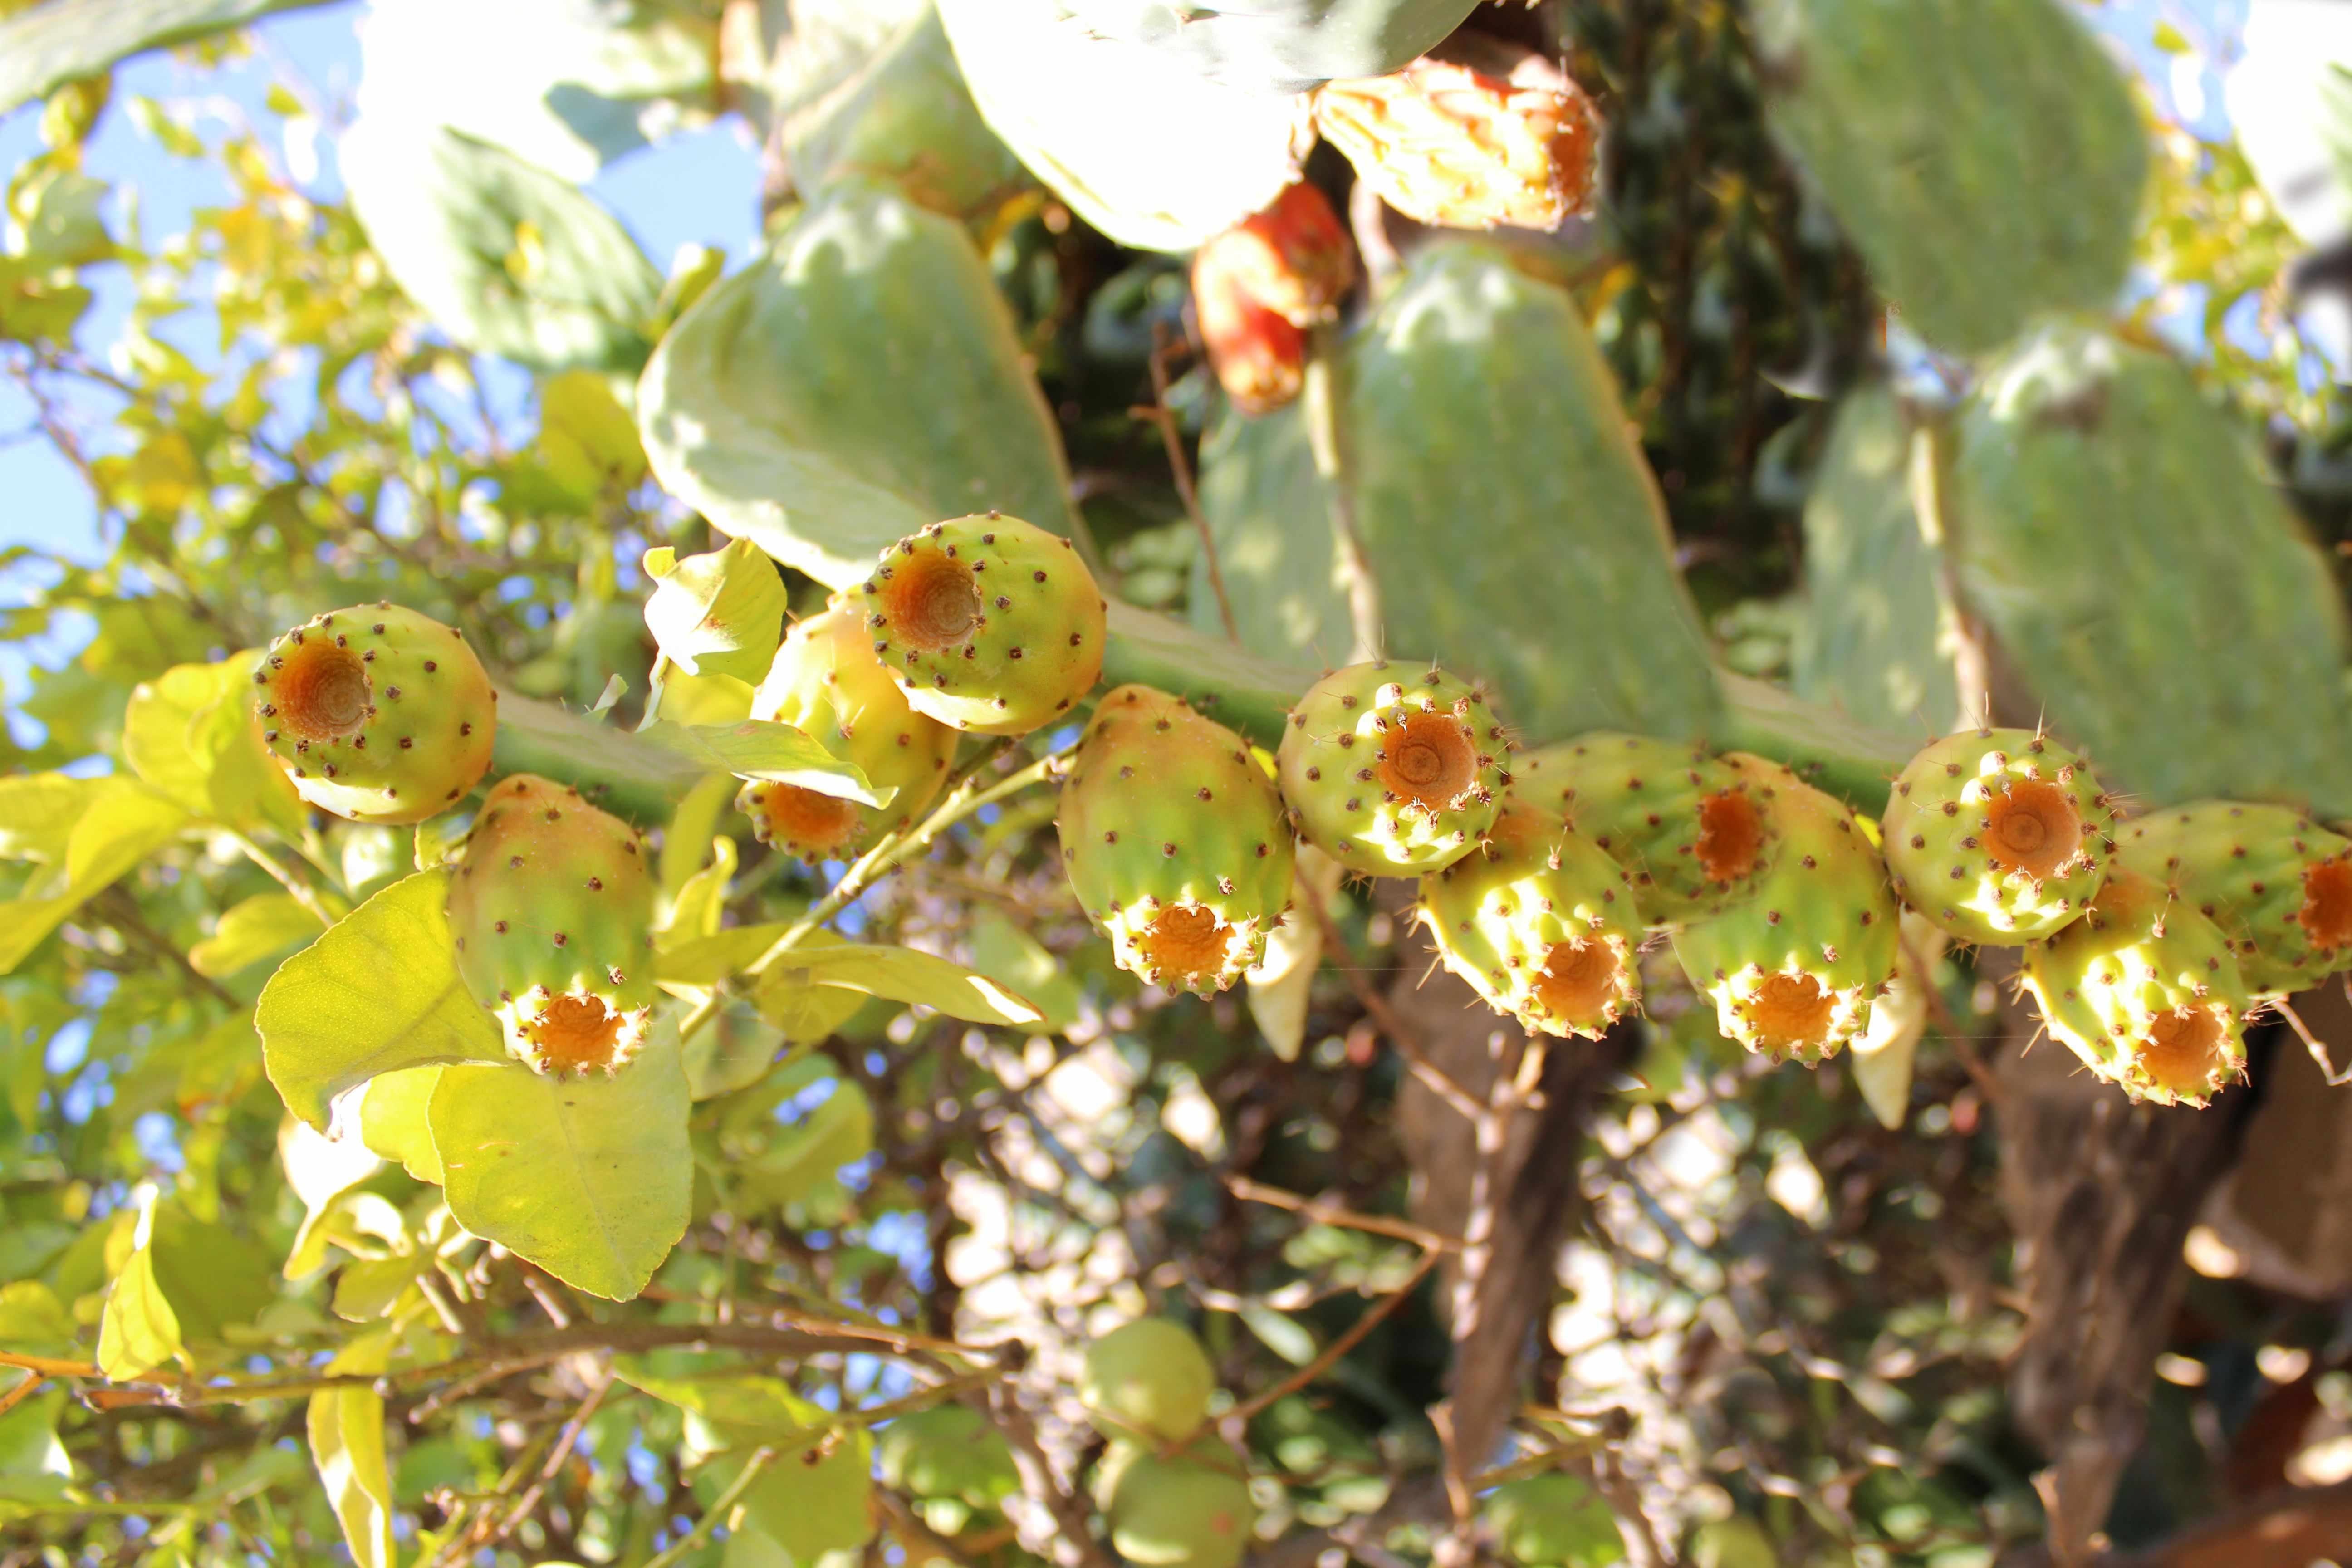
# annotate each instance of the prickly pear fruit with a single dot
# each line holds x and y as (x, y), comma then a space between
(1540, 922)
(377, 714)
(1553, 1520)
(990, 624)
(1997, 836)
(1148, 1380)
(1295, 257)
(1692, 832)
(1175, 841)
(2277, 883)
(1509, 141)
(552, 907)
(1191, 1510)
(1259, 357)
(2145, 991)
(949, 1462)
(1793, 969)
(1392, 771)
(827, 682)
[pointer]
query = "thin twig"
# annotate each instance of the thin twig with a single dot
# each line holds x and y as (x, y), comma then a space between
(721, 1506)
(21, 1392)
(1159, 414)
(302, 892)
(1376, 1006)
(1078, 1546)
(1339, 1347)
(1329, 1213)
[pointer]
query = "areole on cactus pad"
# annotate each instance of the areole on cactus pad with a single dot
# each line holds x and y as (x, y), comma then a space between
(1691, 832)
(2277, 884)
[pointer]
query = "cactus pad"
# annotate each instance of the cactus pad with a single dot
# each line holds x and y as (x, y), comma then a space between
(376, 714)
(990, 624)
(1793, 969)
(2147, 990)
(553, 911)
(1691, 832)
(1540, 922)
(1394, 771)
(1997, 836)
(1175, 841)
(1148, 1379)
(2277, 883)
(827, 682)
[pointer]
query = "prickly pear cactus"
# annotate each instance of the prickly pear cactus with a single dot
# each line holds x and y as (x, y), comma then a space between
(553, 911)
(1691, 832)
(1503, 138)
(1188, 1509)
(1393, 770)
(1540, 922)
(2147, 990)
(2277, 883)
(1997, 836)
(376, 714)
(1793, 969)
(1280, 46)
(1175, 842)
(1148, 1380)
(989, 623)
(1932, 126)
(1295, 257)
(827, 682)
(1259, 355)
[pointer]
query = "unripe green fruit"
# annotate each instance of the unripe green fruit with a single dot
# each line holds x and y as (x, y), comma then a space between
(1554, 1522)
(827, 682)
(551, 906)
(377, 714)
(1192, 1510)
(1687, 828)
(1734, 1543)
(1175, 841)
(951, 1461)
(2277, 883)
(2147, 990)
(1148, 1379)
(1997, 836)
(1793, 969)
(990, 624)
(1541, 924)
(1394, 771)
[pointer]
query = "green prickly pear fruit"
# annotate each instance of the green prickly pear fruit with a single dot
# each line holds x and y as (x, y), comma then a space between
(1190, 1511)
(1554, 1522)
(1175, 841)
(1692, 832)
(1793, 969)
(1148, 1380)
(990, 624)
(2277, 883)
(827, 682)
(1734, 1543)
(376, 714)
(2147, 990)
(1393, 772)
(1997, 836)
(552, 907)
(1540, 922)
(950, 1462)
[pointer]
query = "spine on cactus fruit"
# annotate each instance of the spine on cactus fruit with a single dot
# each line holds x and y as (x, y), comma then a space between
(1490, 135)
(376, 714)
(1691, 832)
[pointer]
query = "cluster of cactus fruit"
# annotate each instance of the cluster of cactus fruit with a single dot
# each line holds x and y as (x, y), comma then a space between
(1542, 873)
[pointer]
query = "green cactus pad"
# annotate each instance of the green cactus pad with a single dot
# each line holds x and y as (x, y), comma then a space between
(827, 682)
(2145, 990)
(1793, 970)
(376, 714)
(1392, 770)
(1148, 1379)
(552, 913)
(1997, 836)
(1190, 1511)
(949, 1462)
(1554, 1522)
(1540, 922)
(990, 624)
(2277, 883)
(1691, 831)
(1175, 842)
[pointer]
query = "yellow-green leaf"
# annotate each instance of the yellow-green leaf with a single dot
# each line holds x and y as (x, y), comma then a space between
(138, 1332)
(251, 932)
(377, 991)
(393, 1120)
(718, 614)
(346, 1426)
(903, 974)
(588, 441)
(1012, 958)
(37, 813)
(124, 823)
(763, 748)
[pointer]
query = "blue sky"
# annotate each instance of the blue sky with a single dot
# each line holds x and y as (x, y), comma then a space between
(697, 188)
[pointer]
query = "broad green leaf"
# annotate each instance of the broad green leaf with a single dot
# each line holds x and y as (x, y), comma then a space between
(799, 1159)
(378, 991)
(346, 1430)
(33, 1321)
(320, 1169)
(718, 614)
(763, 749)
(701, 899)
(734, 1052)
(37, 813)
(707, 961)
(28, 1434)
(37, 304)
(589, 1178)
(214, 1278)
(805, 1013)
(903, 974)
(45, 47)
(1012, 958)
(368, 1288)
(689, 840)
(393, 1120)
(586, 437)
(509, 259)
(809, 1509)
(252, 930)
(698, 699)
(780, 406)
(123, 824)
(138, 1332)
(60, 218)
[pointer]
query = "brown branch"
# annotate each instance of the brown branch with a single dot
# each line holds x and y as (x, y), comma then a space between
(1076, 1545)
(1341, 1346)
(1324, 1211)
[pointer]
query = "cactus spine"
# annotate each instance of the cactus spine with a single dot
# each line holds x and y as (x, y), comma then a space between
(1691, 832)
(1997, 836)
(1393, 772)
(2277, 884)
